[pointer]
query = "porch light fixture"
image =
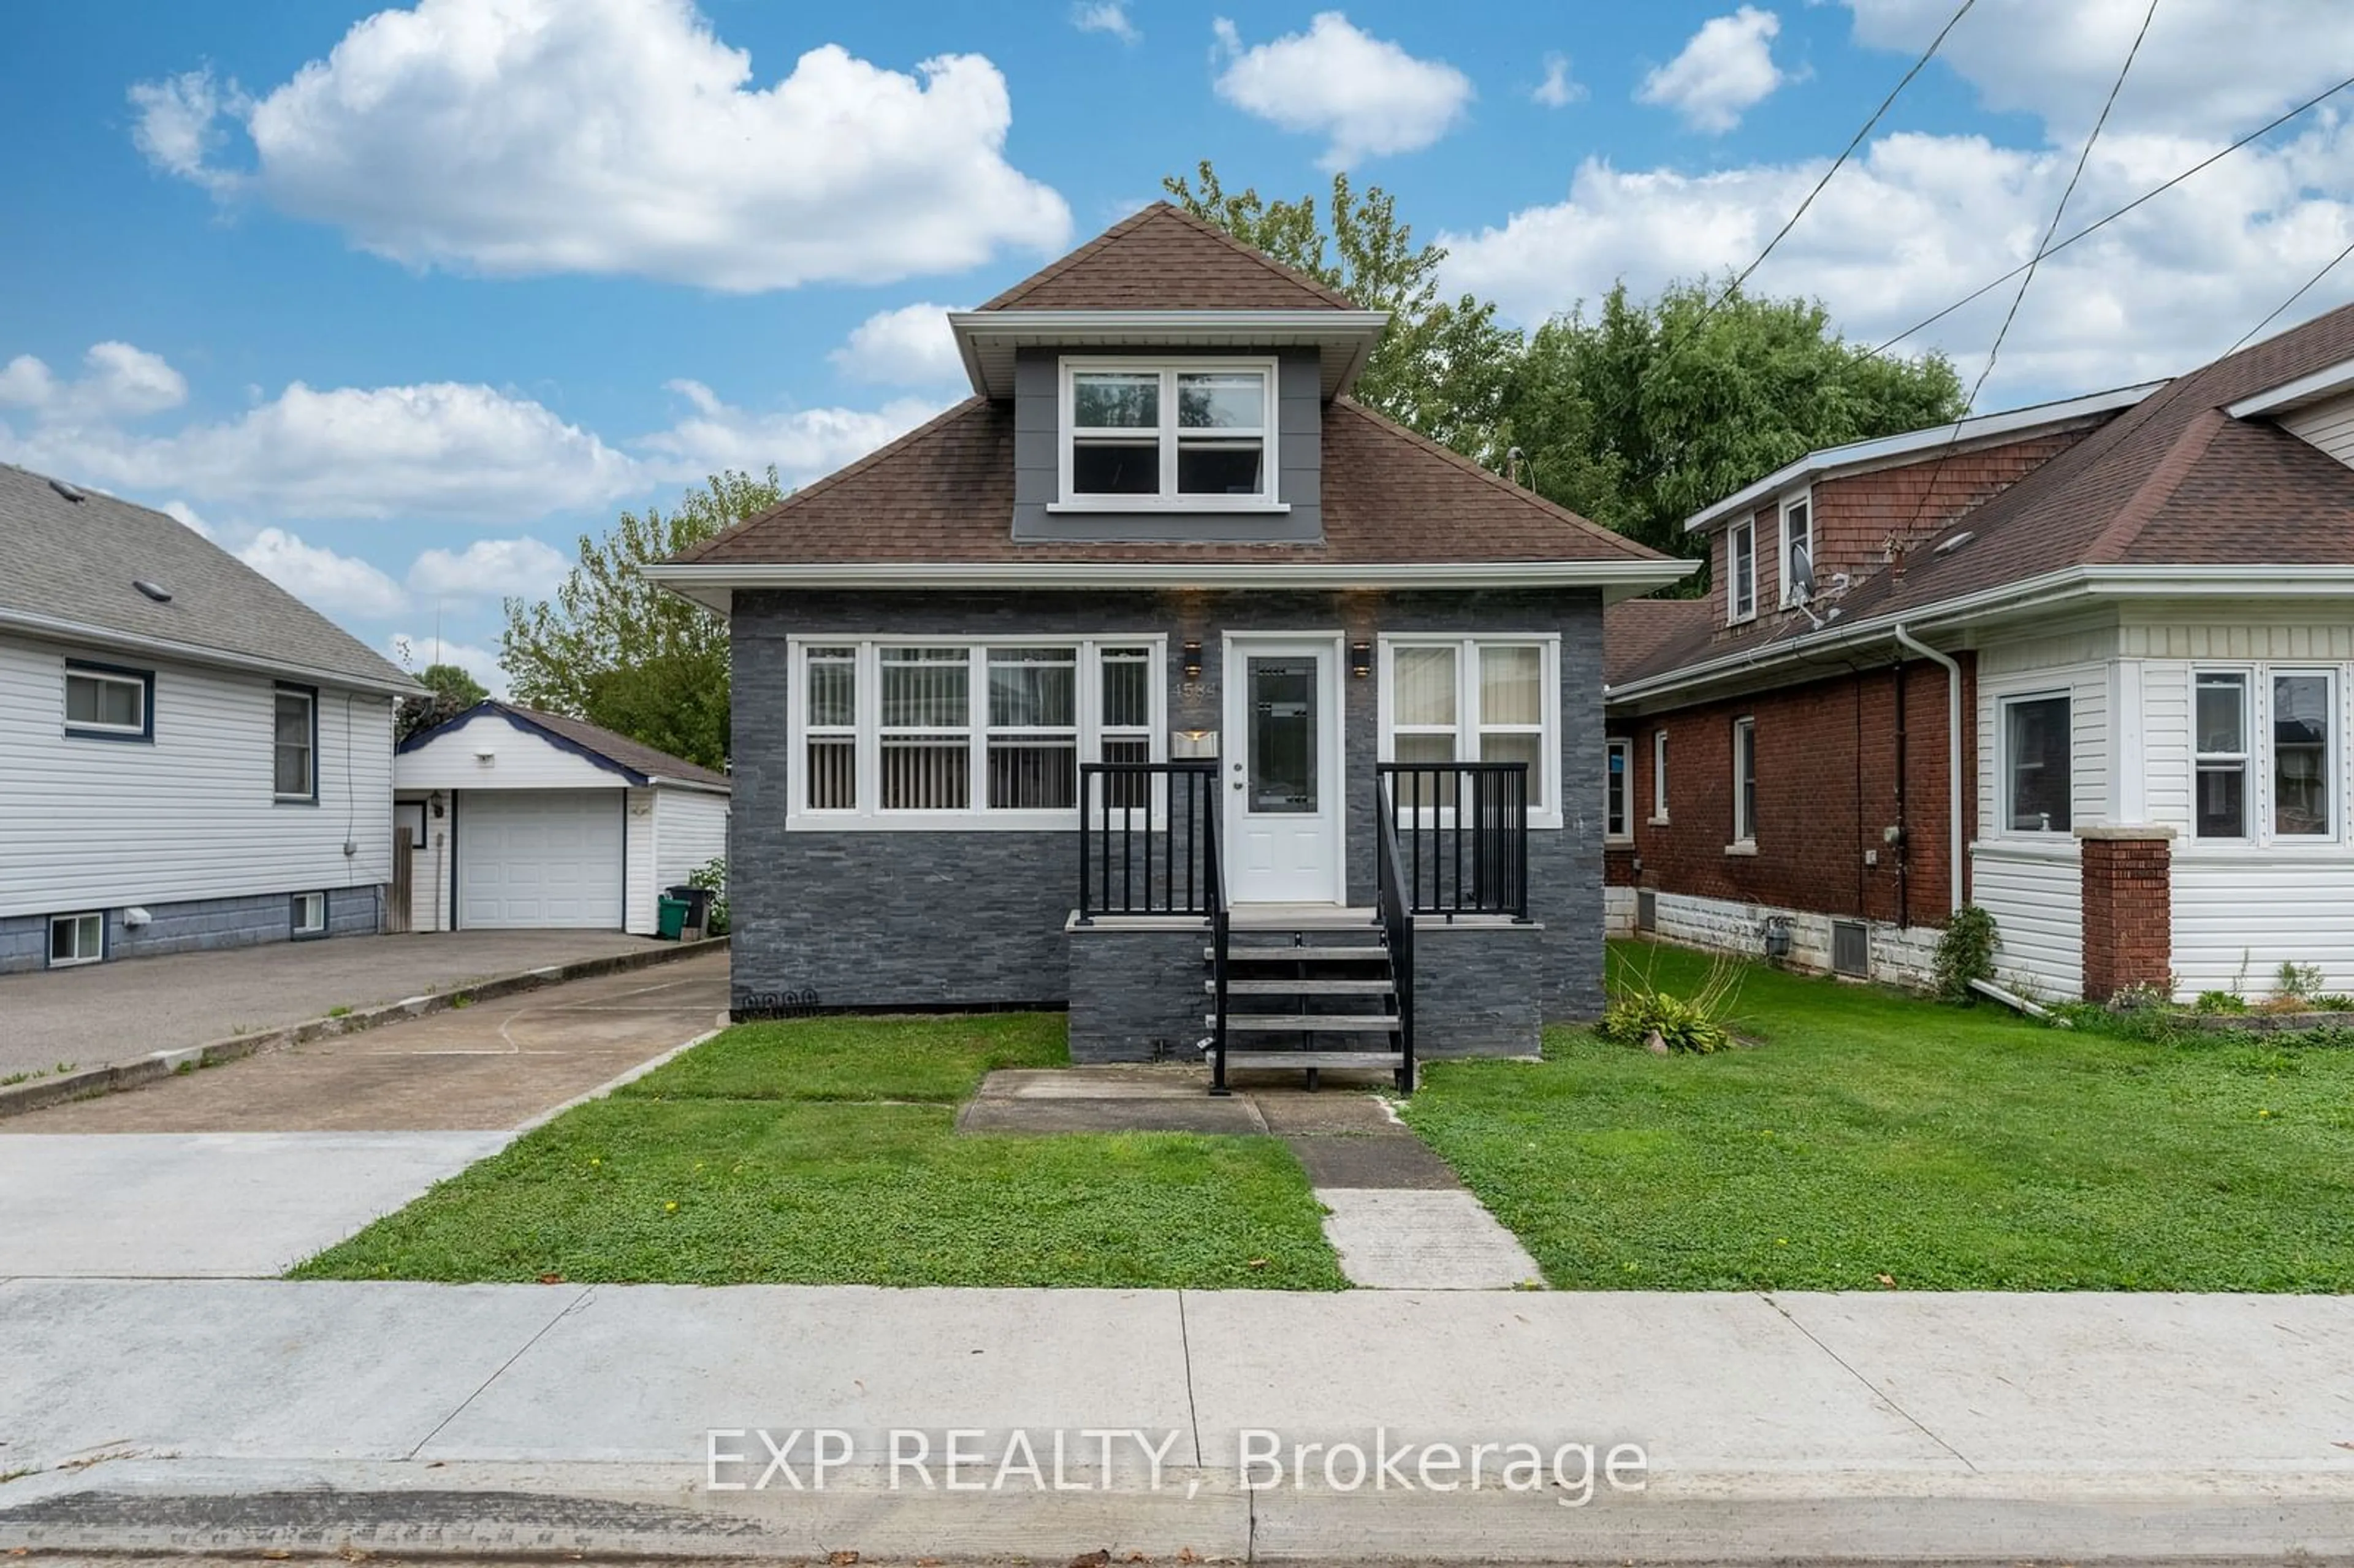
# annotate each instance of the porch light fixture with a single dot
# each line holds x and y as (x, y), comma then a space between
(1190, 660)
(1361, 659)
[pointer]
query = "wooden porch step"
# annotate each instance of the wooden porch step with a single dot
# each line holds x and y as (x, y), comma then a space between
(1300, 955)
(1374, 1061)
(1302, 987)
(1307, 1023)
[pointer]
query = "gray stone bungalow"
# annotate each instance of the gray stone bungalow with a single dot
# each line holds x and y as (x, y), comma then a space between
(1161, 680)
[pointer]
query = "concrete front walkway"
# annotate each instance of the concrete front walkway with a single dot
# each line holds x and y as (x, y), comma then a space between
(248, 1416)
(113, 1012)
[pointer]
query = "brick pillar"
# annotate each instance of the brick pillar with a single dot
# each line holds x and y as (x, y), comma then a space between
(2128, 910)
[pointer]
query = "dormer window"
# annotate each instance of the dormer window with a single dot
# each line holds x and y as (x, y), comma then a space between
(1196, 433)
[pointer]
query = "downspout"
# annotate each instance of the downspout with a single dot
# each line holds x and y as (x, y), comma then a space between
(1953, 749)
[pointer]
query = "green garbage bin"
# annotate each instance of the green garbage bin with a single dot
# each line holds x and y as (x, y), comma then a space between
(669, 918)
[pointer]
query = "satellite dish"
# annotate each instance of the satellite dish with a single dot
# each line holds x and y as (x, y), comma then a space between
(1802, 575)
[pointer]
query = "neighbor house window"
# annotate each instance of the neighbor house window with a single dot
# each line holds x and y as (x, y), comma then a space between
(77, 940)
(1741, 570)
(1472, 699)
(310, 913)
(903, 733)
(1798, 546)
(1744, 781)
(1194, 433)
(2036, 738)
(1619, 758)
(105, 702)
(2301, 704)
(2219, 809)
(1659, 776)
(295, 749)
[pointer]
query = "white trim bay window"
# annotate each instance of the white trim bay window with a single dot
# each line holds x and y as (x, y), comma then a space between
(1195, 433)
(1475, 699)
(2038, 739)
(921, 732)
(2250, 789)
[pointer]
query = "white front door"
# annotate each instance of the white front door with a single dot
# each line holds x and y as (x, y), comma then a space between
(1282, 766)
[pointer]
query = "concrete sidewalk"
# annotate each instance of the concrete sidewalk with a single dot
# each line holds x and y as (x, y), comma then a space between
(243, 1416)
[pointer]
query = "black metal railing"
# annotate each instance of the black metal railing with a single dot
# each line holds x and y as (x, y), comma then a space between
(1221, 945)
(1148, 839)
(1463, 831)
(1395, 911)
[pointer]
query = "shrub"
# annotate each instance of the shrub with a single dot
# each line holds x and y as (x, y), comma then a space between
(1637, 1010)
(713, 874)
(1964, 953)
(2219, 1002)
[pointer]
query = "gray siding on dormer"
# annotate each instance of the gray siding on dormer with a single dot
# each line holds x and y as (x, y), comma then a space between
(1037, 459)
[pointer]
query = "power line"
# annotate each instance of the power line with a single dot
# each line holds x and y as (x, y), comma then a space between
(2092, 228)
(2293, 298)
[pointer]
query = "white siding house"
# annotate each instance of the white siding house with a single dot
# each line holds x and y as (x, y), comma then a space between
(528, 820)
(189, 757)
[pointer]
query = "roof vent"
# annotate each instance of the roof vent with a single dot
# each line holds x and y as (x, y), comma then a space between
(67, 491)
(159, 595)
(1947, 546)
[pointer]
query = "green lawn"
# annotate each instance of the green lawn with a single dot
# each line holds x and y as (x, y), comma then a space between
(822, 1151)
(1873, 1134)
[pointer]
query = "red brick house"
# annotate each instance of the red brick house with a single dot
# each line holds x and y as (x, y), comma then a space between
(2086, 664)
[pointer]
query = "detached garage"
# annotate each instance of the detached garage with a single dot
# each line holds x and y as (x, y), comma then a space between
(520, 819)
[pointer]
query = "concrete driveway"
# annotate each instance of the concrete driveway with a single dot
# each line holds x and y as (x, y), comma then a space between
(113, 1013)
(247, 1169)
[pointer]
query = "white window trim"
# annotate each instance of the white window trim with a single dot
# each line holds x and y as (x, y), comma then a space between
(2251, 771)
(1744, 843)
(1803, 500)
(1658, 778)
(1546, 802)
(2333, 765)
(1168, 499)
(76, 917)
(869, 816)
(310, 746)
(1735, 612)
(2003, 814)
(139, 684)
(303, 902)
(1624, 749)
(2262, 789)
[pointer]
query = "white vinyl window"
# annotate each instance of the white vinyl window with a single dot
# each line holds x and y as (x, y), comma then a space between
(1797, 542)
(2264, 755)
(1619, 759)
(1475, 699)
(2038, 741)
(2219, 718)
(77, 940)
(1193, 433)
(1741, 571)
(1744, 782)
(310, 913)
(917, 733)
(103, 702)
(294, 751)
(1659, 777)
(2304, 750)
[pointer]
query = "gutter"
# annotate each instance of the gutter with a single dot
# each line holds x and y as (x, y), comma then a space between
(193, 653)
(1952, 750)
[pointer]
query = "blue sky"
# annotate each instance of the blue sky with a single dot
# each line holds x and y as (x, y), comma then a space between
(396, 302)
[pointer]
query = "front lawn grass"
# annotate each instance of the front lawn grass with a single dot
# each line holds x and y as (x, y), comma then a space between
(822, 1151)
(1874, 1138)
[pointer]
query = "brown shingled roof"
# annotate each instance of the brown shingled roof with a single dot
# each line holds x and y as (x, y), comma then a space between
(943, 494)
(2175, 481)
(1634, 632)
(1165, 258)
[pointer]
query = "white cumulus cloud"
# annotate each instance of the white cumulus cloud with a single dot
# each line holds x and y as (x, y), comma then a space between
(117, 381)
(1105, 16)
(1726, 70)
(413, 652)
(804, 443)
(1368, 96)
(1559, 90)
(489, 569)
(339, 585)
(910, 346)
(615, 136)
(183, 514)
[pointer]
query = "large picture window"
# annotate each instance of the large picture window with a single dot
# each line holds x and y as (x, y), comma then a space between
(915, 733)
(2036, 742)
(1196, 433)
(1474, 699)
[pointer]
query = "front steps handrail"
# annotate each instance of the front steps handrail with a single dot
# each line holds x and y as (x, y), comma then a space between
(1397, 915)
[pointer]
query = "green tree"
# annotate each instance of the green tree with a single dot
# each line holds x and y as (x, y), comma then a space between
(1644, 413)
(616, 650)
(454, 692)
(1442, 368)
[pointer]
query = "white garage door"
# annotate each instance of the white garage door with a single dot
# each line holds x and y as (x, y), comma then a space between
(539, 857)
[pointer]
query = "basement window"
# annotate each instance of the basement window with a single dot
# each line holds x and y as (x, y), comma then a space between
(1185, 433)
(77, 940)
(310, 915)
